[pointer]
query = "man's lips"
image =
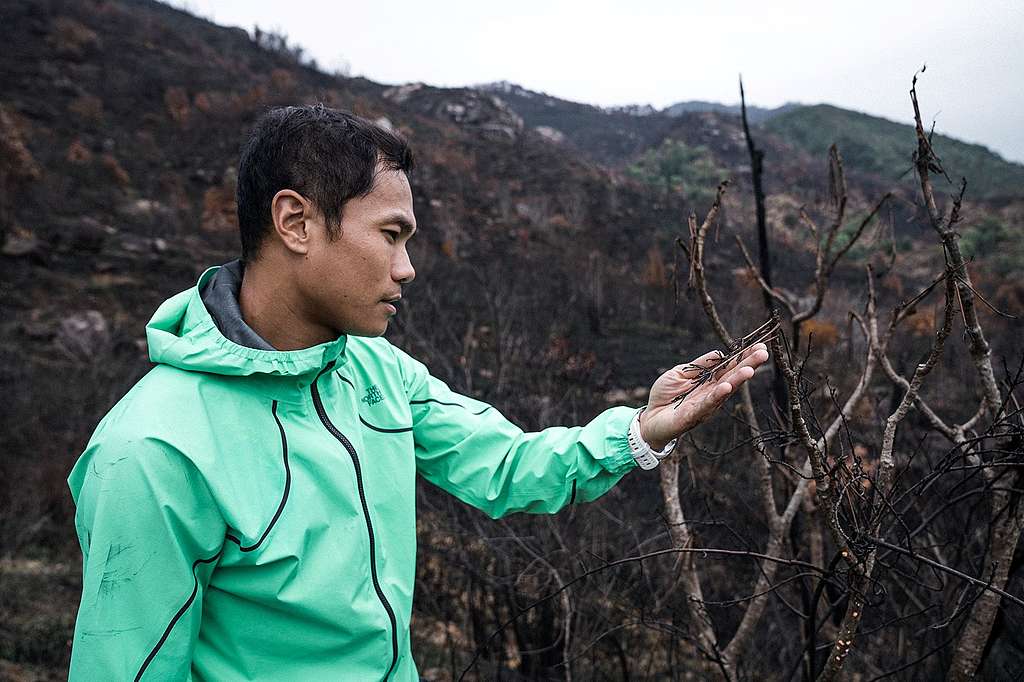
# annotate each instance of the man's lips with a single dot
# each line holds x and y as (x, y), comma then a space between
(392, 302)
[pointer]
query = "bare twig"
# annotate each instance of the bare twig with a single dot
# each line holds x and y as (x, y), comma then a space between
(713, 371)
(773, 293)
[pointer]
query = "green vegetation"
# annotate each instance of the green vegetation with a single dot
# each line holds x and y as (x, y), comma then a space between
(676, 167)
(866, 244)
(992, 242)
(875, 145)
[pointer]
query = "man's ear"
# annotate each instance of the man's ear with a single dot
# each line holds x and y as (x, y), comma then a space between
(291, 212)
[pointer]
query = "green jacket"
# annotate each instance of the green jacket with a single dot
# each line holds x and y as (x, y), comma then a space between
(246, 513)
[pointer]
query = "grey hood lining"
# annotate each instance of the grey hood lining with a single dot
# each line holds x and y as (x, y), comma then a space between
(220, 296)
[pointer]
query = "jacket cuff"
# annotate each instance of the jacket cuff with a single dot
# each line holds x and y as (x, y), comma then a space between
(619, 457)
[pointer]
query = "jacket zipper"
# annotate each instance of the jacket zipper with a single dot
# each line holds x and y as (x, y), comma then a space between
(322, 413)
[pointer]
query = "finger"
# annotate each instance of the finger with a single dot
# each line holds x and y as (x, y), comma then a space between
(708, 359)
(754, 349)
(760, 350)
(690, 369)
(713, 398)
(728, 390)
(755, 359)
(739, 375)
(723, 390)
(724, 367)
(749, 353)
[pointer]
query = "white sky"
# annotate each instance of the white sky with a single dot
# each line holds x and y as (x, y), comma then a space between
(857, 55)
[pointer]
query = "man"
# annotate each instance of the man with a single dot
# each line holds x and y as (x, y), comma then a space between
(246, 511)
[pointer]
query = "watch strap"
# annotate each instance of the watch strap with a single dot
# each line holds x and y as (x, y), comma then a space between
(645, 456)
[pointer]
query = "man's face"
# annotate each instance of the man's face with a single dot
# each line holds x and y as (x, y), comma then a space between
(352, 284)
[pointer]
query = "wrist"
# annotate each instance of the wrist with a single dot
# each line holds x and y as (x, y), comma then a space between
(646, 456)
(657, 444)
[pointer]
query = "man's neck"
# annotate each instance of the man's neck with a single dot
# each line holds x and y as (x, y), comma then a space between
(267, 306)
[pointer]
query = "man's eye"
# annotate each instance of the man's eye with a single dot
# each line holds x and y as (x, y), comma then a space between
(392, 236)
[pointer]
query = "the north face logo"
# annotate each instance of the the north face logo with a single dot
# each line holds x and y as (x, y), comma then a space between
(373, 396)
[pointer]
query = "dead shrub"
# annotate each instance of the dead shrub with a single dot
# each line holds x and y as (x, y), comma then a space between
(256, 96)
(655, 274)
(202, 102)
(282, 80)
(744, 278)
(16, 162)
(922, 323)
(219, 207)
(118, 172)
(177, 102)
(819, 332)
(78, 153)
(71, 39)
(88, 107)
(559, 221)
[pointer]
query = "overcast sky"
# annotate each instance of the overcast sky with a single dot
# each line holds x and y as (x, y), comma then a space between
(857, 55)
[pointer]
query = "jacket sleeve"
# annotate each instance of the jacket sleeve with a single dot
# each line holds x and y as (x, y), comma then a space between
(469, 449)
(150, 534)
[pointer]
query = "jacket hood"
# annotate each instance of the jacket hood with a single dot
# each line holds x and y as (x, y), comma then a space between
(185, 333)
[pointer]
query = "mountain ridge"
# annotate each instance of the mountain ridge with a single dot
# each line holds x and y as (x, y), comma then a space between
(618, 135)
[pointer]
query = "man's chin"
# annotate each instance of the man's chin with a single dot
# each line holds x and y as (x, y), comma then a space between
(369, 332)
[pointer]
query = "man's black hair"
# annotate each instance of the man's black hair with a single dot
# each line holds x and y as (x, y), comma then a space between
(326, 155)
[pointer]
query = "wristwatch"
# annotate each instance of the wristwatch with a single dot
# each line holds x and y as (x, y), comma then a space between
(646, 457)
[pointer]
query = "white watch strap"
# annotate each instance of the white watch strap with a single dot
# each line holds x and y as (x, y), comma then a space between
(646, 457)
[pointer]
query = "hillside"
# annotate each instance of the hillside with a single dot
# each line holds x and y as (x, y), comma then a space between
(875, 149)
(605, 136)
(755, 114)
(878, 146)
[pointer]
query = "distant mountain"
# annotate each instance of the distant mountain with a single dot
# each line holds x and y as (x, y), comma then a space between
(617, 134)
(608, 136)
(754, 114)
(876, 149)
(878, 146)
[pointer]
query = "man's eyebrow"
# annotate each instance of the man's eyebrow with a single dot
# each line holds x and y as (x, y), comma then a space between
(398, 219)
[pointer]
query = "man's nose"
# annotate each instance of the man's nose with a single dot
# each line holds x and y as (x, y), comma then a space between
(402, 270)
